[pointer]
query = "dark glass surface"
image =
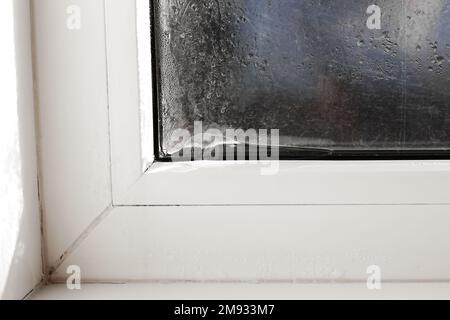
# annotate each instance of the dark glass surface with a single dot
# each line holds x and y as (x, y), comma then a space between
(310, 68)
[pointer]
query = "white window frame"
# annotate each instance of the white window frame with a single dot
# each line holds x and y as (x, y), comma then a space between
(138, 182)
(121, 218)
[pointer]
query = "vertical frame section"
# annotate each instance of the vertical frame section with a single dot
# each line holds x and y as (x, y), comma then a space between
(71, 96)
(123, 95)
(143, 27)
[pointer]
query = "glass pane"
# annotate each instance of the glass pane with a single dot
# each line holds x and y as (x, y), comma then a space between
(335, 75)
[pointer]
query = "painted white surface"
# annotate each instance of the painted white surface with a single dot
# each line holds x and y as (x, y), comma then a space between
(180, 291)
(274, 243)
(20, 239)
(11, 198)
(73, 119)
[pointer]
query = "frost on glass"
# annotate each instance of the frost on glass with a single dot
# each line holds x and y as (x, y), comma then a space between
(312, 69)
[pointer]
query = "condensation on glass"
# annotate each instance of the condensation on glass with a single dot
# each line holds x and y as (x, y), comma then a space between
(312, 69)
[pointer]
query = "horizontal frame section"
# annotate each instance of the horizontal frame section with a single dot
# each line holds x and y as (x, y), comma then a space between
(292, 183)
(267, 244)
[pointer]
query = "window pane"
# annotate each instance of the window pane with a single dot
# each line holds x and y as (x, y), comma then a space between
(340, 75)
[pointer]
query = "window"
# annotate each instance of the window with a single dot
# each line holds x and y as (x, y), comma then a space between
(337, 79)
(139, 180)
(206, 220)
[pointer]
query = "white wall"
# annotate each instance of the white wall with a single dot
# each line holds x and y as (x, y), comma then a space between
(20, 236)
